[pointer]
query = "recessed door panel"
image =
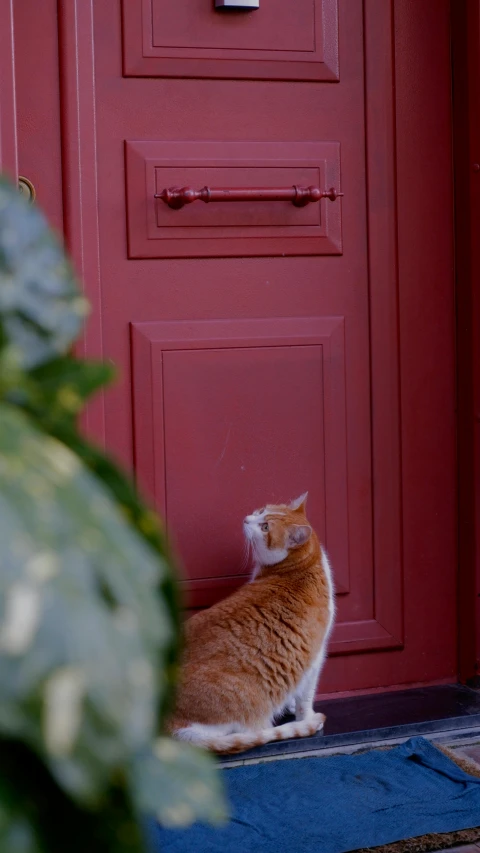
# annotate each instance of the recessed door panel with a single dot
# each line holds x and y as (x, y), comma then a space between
(241, 228)
(242, 412)
(281, 40)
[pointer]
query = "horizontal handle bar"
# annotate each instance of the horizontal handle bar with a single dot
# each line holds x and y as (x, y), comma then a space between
(177, 197)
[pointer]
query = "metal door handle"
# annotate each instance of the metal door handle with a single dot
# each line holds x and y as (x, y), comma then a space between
(176, 197)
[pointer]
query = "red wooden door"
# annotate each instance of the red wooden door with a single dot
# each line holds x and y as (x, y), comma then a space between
(266, 349)
(466, 96)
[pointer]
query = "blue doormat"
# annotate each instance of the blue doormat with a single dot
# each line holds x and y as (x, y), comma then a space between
(336, 804)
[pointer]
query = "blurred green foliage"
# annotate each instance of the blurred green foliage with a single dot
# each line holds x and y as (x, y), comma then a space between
(89, 616)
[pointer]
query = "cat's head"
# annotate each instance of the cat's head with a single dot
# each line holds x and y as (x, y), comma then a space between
(275, 530)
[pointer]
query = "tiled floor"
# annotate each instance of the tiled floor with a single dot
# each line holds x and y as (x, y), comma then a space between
(466, 848)
(471, 752)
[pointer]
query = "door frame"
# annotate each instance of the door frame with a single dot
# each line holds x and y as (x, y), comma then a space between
(465, 17)
(79, 178)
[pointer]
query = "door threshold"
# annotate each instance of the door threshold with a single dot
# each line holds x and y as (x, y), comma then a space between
(450, 711)
(455, 739)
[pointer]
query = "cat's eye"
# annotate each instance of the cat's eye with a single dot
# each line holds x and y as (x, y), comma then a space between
(264, 527)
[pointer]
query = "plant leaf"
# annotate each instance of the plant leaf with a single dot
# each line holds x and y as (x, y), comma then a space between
(89, 611)
(41, 308)
(144, 521)
(83, 629)
(178, 784)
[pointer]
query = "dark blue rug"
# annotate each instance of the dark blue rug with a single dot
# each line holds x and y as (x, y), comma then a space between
(336, 804)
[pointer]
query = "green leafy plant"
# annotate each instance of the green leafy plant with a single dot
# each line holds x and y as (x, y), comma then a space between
(89, 616)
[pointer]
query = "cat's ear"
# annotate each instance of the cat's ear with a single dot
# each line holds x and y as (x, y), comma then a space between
(300, 503)
(298, 534)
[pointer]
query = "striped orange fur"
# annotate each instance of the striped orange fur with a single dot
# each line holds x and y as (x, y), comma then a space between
(261, 649)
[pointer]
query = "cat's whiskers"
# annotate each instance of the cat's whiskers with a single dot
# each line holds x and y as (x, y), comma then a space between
(246, 556)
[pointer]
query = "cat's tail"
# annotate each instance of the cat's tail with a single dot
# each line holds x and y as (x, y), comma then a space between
(229, 744)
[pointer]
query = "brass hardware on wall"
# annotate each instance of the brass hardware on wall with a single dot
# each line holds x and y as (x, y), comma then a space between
(26, 188)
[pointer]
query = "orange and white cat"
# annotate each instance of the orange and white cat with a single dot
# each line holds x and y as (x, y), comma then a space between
(260, 650)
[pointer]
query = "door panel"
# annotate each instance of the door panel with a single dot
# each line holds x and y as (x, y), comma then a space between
(190, 38)
(242, 228)
(259, 359)
(297, 368)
